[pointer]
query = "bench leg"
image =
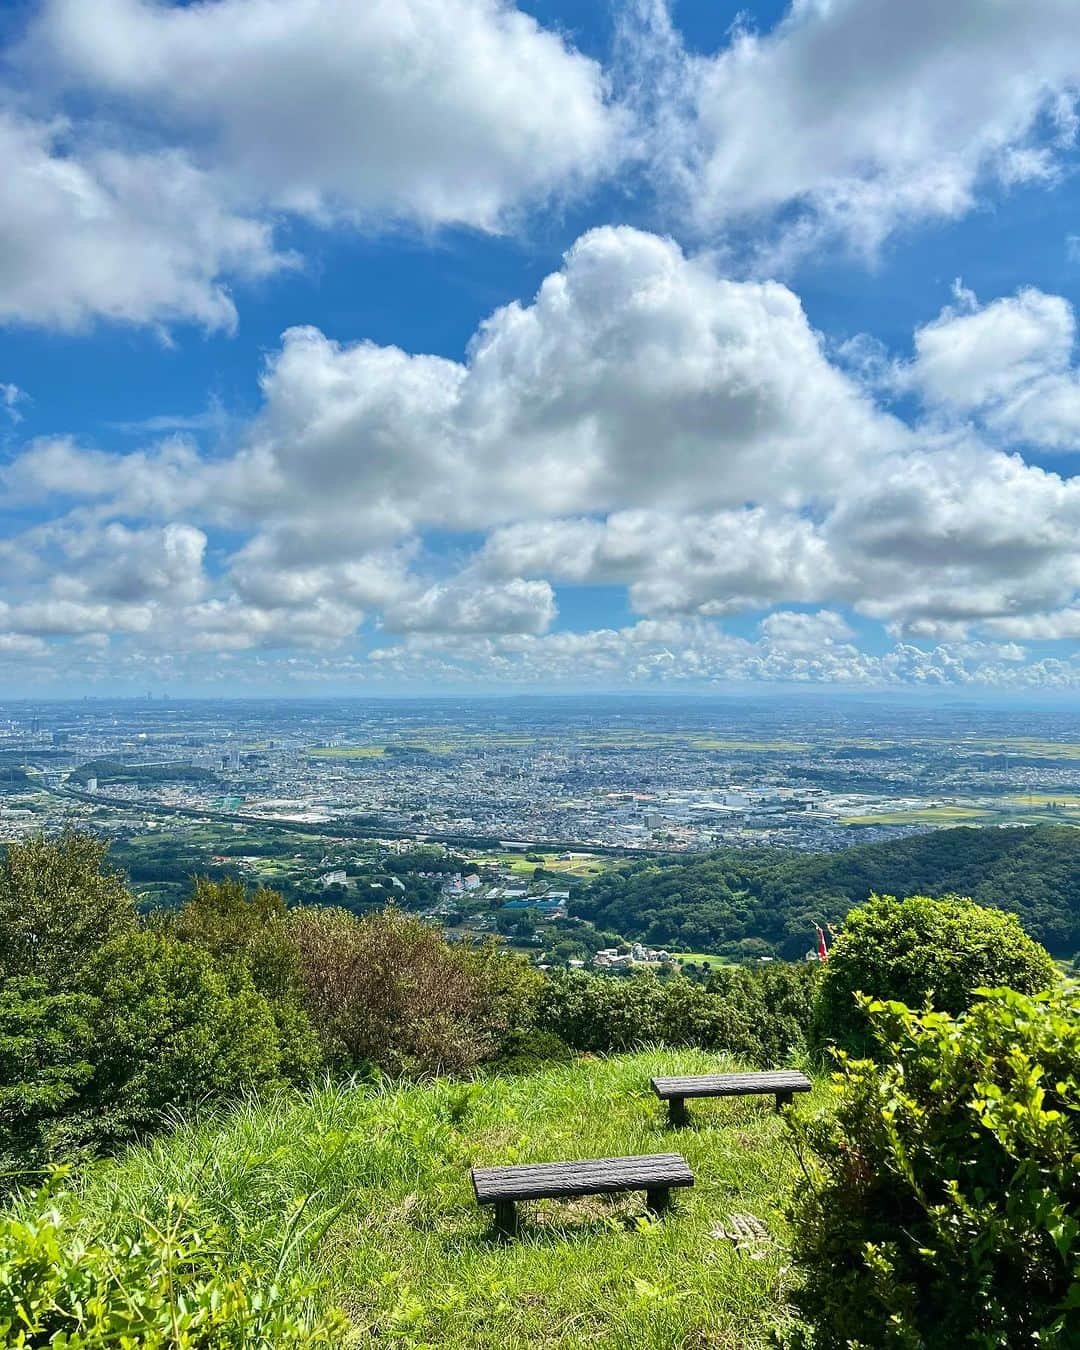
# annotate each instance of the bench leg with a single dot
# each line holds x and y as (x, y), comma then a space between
(657, 1200)
(784, 1099)
(506, 1219)
(676, 1109)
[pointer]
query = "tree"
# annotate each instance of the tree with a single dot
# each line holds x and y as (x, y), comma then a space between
(59, 903)
(46, 1045)
(388, 989)
(172, 1030)
(942, 1208)
(235, 925)
(920, 950)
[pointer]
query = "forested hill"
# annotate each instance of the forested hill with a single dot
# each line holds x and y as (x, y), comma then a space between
(737, 900)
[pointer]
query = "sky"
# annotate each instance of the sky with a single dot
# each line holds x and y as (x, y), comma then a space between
(406, 346)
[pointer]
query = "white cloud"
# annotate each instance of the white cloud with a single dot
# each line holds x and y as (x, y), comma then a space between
(437, 111)
(467, 606)
(644, 423)
(90, 233)
(715, 563)
(10, 398)
(637, 377)
(1009, 363)
(859, 116)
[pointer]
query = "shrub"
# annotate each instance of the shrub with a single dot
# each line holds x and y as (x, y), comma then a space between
(388, 989)
(735, 1013)
(161, 1287)
(943, 1204)
(249, 929)
(45, 1048)
(171, 1031)
(246, 935)
(58, 904)
(917, 951)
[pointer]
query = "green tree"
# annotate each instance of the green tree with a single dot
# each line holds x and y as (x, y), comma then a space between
(942, 1210)
(59, 903)
(172, 1029)
(46, 1045)
(920, 950)
(246, 935)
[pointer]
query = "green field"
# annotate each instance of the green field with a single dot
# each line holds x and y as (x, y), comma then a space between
(929, 815)
(368, 1192)
(346, 752)
(584, 865)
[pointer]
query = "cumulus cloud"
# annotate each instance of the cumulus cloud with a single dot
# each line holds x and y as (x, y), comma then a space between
(139, 237)
(436, 111)
(858, 116)
(464, 606)
(1008, 363)
(641, 423)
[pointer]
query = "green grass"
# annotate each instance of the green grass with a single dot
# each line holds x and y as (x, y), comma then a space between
(390, 1232)
(927, 815)
(346, 752)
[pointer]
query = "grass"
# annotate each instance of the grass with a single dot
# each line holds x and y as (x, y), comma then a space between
(367, 1192)
(927, 815)
(346, 752)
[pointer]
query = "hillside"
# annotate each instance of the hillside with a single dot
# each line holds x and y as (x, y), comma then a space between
(719, 900)
(409, 1256)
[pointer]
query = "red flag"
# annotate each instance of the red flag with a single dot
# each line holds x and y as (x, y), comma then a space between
(822, 950)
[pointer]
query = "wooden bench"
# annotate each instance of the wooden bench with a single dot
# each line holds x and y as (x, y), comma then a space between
(782, 1084)
(655, 1174)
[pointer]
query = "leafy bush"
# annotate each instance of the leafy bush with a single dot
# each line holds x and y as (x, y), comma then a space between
(172, 1029)
(943, 1204)
(160, 1286)
(45, 1047)
(246, 934)
(919, 950)
(59, 903)
(390, 990)
(734, 1014)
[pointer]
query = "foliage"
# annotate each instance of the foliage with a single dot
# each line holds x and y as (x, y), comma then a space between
(172, 1029)
(45, 1044)
(247, 936)
(388, 989)
(59, 902)
(921, 950)
(944, 1209)
(158, 1286)
(409, 1253)
(762, 1018)
(710, 903)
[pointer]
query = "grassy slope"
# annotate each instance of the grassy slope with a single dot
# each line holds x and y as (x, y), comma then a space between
(410, 1255)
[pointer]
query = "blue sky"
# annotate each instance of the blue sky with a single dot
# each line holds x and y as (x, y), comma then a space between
(456, 345)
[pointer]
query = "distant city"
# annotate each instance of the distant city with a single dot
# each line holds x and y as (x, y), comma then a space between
(593, 773)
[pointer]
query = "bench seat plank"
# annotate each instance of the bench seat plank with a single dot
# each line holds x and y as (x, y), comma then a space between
(730, 1084)
(593, 1176)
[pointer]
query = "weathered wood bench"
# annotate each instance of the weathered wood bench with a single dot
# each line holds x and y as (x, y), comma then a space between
(655, 1174)
(782, 1084)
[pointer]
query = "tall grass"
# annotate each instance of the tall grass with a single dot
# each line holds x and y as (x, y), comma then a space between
(366, 1192)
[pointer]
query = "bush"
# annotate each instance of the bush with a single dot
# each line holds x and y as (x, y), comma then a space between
(171, 1031)
(734, 1014)
(389, 990)
(160, 1287)
(58, 904)
(246, 935)
(943, 1204)
(45, 1047)
(917, 951)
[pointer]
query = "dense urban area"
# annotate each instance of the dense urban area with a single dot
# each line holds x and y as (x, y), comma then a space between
(494, 816)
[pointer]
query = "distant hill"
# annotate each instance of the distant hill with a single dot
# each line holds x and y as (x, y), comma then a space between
(718, 901)
(114, 771)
